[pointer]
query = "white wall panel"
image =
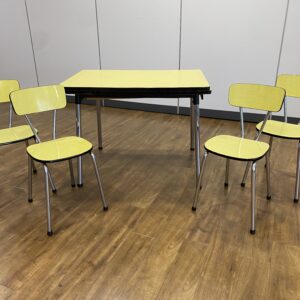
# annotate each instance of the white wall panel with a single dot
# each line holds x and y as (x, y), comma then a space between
(290, 57)
(16, 60)
(231, 41)
(65, 40)
(140, 34)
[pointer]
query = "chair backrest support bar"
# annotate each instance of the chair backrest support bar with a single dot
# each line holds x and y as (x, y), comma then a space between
(242, 122)
(263, 125)
(38, 140)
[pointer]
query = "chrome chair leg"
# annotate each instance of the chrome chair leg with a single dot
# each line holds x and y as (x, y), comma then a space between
(199, 183)
(105, 206)
(270, 149)
(192, 130)
(227, 172)
(296, 198)
(48, 204)
(29, 179)
(268, 175)
(99, 124)
(253, 188)
(32, 162)
(271, 144)
(245, 174)
(51, 181)
(71, 173)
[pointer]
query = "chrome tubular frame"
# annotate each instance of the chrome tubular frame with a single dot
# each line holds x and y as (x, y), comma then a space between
(256, 139)
(199, 182)
(99, 123)
(48, 203)
(242, 122)
(227, 172)
(78, 133)
(105, 206)
(296, 198)
(253, 190)
(71, 173)
(29, 179)
(54, 125)
(32, 162)
(197, 136)
(38, 140)
(268, 175)
(10, 115)
(192, 130)
(285, 110)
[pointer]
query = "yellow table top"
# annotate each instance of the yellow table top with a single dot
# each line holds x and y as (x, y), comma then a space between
(137, 79)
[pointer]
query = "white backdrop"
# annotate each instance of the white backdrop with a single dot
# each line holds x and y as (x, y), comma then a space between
(231, 41)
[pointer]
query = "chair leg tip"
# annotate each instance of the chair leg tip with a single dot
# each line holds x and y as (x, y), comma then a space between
(226, 184)
(54, 191)
(100, 148)
(252, 231)
(194, 208)
(34, 171)
(73, 185)
(30, 200)
(269, 197)
(105, 208)
(80, 184)
(192, 149)
(50, 233)
(296, 200)
(243, 184)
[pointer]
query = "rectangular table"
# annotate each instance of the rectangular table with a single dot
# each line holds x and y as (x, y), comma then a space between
(125, 84)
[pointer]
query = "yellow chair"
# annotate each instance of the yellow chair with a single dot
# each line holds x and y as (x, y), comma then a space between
(15, 134)
(253, 96)
(50, 98)
(291, 84)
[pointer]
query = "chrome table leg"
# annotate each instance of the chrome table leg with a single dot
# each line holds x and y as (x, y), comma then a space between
(296, 198)
(199, 182)
(192, 131)
(253, 189)
(78, 133)
(197, 134)
(99, 123)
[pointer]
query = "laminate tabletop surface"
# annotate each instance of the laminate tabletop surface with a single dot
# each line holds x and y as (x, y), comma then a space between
(132, 79)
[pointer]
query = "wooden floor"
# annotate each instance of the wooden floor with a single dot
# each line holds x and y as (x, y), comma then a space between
(149, 244)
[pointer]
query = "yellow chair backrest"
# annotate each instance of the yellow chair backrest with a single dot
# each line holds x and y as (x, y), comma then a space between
(291, 84)
(6, 87)
(256, 96)
(39, 99)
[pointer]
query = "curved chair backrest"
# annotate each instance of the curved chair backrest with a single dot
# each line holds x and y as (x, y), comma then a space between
(39, 99)
(291, 84)
(256, 96)
(6, 87)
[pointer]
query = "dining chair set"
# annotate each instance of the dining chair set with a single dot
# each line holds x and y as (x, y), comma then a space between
(270, 99)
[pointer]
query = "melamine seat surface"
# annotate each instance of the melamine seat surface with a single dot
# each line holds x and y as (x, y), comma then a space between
(281, 129)
(59, 149)
(15, 134)
(236, 148)
(138, 79)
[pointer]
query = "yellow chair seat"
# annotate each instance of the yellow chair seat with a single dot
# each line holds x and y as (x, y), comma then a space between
(15, 134)
(281, 129)
(236, 147)
(59, 149)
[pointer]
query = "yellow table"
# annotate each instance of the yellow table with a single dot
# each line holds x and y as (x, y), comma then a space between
(115, 84)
